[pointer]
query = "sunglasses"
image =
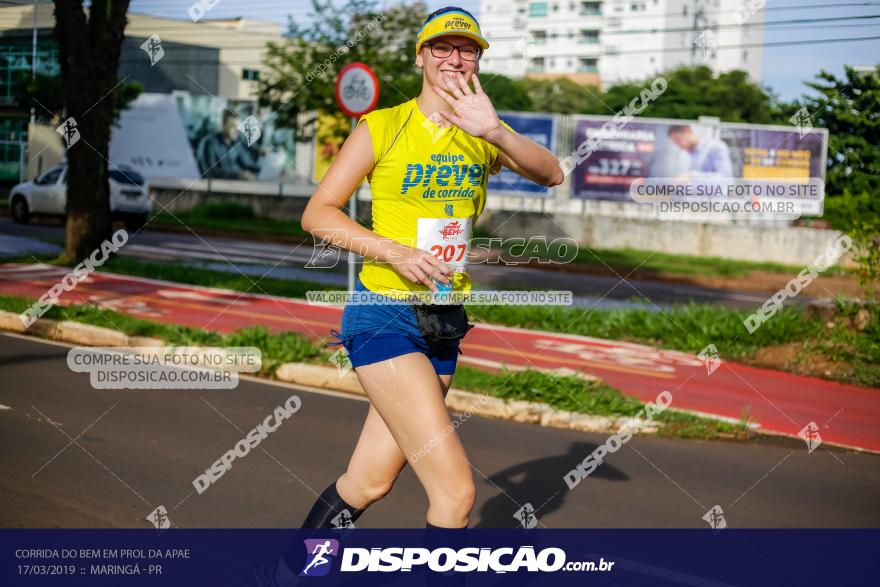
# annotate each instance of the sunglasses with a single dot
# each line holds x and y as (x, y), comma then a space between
(442, 50)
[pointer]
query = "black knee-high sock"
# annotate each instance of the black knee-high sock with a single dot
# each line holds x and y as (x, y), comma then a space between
(436, 537)
(329, 511)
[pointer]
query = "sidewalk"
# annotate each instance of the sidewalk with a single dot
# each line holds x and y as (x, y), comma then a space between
(778, 402)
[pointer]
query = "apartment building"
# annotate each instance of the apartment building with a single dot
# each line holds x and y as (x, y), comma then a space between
(602, 42)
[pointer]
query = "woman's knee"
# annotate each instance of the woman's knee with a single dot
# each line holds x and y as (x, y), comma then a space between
(457, 496)
(370, 489)
(379, 489)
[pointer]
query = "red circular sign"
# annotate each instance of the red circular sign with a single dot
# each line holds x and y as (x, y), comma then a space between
(357, 89)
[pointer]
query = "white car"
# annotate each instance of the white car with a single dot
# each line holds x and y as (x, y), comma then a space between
(130, 199)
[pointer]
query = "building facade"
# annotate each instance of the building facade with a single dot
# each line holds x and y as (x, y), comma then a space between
(220, 58)
(603, 42)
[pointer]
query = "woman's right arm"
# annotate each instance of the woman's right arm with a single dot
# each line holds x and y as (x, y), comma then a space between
(324, 219)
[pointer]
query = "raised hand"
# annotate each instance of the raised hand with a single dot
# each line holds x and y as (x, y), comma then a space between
(473, 112)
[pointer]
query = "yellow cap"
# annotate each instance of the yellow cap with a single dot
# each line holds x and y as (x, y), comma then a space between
(454, 22)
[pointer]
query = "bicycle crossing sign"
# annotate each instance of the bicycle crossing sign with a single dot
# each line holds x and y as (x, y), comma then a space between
(357, 89)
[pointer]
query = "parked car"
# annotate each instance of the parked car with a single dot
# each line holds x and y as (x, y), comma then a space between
(130, 199)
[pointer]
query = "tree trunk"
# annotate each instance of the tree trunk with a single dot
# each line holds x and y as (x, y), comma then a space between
(89, 54)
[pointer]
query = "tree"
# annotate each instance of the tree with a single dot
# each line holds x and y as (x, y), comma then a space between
(850, 109)
(565, 96)
(691, 92)
(505, 93)
(89, 50)
(695, 91)
(300, 72)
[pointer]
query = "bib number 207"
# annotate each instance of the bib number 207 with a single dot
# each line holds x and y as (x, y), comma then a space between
(449, 253)
(448, 239)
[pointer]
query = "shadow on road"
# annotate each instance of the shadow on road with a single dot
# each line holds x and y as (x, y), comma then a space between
(539, 483)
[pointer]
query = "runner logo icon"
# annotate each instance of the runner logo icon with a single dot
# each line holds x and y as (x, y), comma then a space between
(320, 551)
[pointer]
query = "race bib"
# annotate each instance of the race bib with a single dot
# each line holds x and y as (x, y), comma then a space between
(448, 239)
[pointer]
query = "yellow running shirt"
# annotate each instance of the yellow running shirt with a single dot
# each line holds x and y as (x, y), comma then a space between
(429, 187)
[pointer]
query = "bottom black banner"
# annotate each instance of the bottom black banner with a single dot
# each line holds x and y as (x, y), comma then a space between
(442, 557)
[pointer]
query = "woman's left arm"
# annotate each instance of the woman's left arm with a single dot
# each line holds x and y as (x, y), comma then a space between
(474, 113)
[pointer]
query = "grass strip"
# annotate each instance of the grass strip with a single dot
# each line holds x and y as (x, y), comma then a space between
(276, 348)
(849, 355)
(229, 216)
(561, 392)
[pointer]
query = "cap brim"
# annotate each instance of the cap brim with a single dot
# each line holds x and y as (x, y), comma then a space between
(474, 37)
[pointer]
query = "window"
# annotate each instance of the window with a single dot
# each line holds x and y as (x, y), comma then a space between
(588, 65)
(591, 9)
(16, 57)
(637, 6)
(539, 37)
(51, 176)
(250, 74)
(538, 9)
(588, 37)
(127, 176)
(536, 65)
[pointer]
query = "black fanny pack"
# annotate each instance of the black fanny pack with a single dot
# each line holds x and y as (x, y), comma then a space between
(442, 323)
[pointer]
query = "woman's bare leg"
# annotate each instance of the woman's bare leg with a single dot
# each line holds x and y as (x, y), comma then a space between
(376, 462)
(408, 421)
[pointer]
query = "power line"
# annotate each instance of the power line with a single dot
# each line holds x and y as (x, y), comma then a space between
(749, 45)
(606, 53)
(692, 29)
(290, 6)
(781, 24)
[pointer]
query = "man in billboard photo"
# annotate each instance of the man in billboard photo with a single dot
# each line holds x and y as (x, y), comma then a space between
(708, 157)
(224, 155)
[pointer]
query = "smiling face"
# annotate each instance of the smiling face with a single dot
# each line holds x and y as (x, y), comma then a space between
(436, 68)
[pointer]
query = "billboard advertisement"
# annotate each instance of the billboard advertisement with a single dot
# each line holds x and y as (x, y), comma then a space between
(640, 149)
(192, 137)
(541, 128)
(776, 152)
(720, 156)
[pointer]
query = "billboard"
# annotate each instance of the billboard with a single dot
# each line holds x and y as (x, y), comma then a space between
(191, 137)
(541, 128)
(698, 152)
(776, 152)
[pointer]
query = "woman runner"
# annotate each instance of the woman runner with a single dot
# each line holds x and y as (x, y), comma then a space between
(427, 162)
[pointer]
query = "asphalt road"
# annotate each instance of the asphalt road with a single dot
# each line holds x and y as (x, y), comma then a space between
(74, 456)
(281, 260)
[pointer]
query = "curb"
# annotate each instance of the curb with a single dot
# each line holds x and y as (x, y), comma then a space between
(310, 375)
(470, 403)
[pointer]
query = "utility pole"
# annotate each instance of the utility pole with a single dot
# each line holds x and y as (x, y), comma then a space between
(34, 56)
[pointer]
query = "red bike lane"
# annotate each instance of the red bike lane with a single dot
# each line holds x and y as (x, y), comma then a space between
(774, 401)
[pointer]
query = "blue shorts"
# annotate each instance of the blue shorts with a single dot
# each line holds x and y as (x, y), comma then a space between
(377, 332)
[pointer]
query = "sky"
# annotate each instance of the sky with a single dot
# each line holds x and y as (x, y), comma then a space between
(785, 67)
